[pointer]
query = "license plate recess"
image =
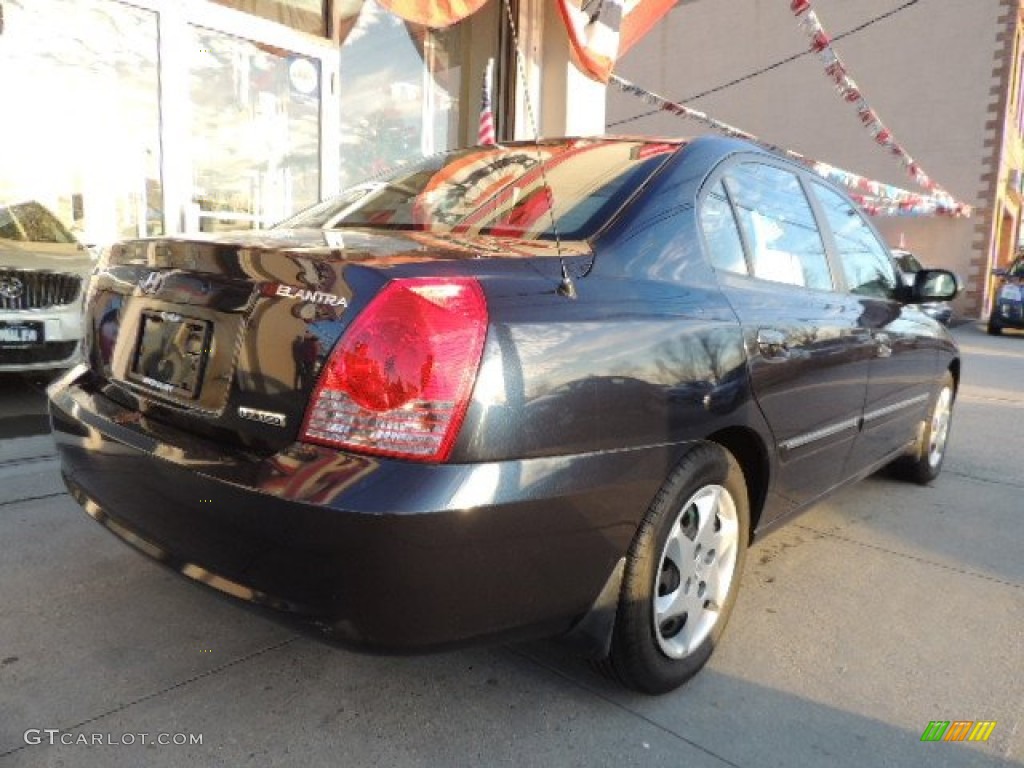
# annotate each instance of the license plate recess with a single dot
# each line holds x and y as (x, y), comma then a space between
(171, 353)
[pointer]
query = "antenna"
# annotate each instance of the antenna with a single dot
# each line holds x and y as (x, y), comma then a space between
(566, 287)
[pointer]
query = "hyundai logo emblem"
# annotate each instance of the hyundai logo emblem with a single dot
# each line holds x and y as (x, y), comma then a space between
(11, 288)
(152, 283)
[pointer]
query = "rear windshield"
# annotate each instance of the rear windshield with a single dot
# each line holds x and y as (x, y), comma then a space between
(31, 222)
(515, 191)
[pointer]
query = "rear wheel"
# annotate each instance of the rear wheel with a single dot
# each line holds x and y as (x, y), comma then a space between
(926, 462)
(682, 573)
(993, 327)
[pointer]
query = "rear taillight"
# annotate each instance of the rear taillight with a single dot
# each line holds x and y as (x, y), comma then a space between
(399, 381)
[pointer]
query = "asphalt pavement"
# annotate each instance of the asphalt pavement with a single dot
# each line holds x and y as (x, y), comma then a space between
(881, 610)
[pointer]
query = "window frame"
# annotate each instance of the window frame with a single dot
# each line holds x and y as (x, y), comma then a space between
(808, 179)
(716, 177)
(832, 247)
(709, 190)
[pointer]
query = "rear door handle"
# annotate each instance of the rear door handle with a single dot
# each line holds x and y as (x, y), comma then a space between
(772, 343)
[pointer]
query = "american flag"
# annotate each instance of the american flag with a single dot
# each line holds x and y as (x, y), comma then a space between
(485, 133)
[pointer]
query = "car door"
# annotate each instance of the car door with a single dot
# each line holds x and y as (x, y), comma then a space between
(903, 343)
(806, 350)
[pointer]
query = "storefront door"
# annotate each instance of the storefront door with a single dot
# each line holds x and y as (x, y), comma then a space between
(143, 117)
(80, 131)
(254, 120)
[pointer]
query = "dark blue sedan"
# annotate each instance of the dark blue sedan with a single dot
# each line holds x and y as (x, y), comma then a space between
(540, 389)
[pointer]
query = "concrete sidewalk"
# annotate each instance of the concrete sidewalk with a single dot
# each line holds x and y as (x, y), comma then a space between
(879, 611)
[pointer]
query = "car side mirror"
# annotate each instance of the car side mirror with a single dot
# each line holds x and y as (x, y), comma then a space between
(999, 272)
(934, 285)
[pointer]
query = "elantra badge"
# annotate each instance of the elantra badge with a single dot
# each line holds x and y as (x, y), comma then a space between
(316, 297)
(263, 417)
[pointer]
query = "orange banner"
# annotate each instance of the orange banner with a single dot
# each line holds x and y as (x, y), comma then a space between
(598, 41)
(433, 13)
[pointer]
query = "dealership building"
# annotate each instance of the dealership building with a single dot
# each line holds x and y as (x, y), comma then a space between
(144, 117)
(148, 117)
(945, 77)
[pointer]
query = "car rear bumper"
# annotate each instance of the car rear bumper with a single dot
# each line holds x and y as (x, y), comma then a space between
(385, 555)
(61, 347)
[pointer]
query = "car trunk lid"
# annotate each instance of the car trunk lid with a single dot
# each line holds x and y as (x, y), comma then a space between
(226, 338)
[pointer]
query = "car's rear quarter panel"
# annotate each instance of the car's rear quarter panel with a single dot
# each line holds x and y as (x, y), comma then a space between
(623, 366)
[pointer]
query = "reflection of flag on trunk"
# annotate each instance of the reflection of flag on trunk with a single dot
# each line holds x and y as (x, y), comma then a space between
(485, 134)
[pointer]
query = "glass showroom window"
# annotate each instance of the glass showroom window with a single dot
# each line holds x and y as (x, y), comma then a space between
(399, 92)
(255, 132)
(80, 127)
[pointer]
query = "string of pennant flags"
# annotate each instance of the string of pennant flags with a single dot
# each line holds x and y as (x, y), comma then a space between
(598, 39)
(835, 69)
(876, 198)
(600, 33)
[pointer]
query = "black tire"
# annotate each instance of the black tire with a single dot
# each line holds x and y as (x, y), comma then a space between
(993, 328)
(925, 464)
(707, 487)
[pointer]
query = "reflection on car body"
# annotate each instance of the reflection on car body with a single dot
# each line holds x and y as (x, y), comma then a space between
(467, 451)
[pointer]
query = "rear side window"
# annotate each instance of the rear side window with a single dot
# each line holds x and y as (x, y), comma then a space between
(866, 263)
(779, 226)
(721, 233)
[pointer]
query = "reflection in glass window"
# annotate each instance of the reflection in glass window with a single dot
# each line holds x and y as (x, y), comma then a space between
(784, 240)
(79, 131)
(255, 132)
(869, 270)
(399, 93)
(721, 233)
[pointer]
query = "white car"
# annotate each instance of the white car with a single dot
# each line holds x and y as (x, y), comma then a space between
(43, 274)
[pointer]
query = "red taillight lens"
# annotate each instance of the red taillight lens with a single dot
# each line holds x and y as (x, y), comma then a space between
(398, 382)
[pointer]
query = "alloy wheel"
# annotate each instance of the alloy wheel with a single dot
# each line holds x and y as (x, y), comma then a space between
(696, 570)
(939, 431)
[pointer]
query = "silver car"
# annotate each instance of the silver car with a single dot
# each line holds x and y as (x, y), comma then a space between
(43, 272)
